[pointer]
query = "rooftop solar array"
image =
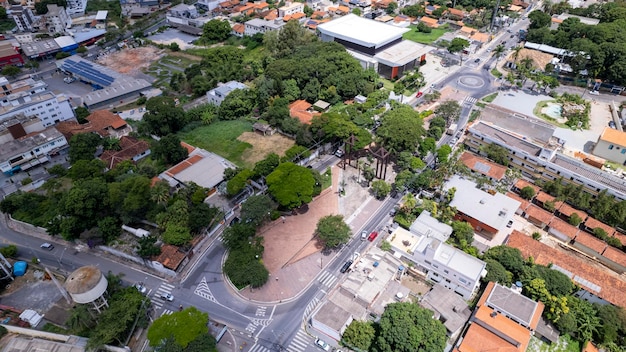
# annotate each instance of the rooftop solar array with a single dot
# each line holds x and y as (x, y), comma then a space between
(87, 71)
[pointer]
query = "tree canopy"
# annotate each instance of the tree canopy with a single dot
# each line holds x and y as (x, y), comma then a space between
(183, 326)
(216, 30)
(406, 327)
(332, 231)
(291, 185)
(402, 129)
(162, 117)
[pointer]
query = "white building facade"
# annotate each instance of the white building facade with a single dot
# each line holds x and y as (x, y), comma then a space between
(57, 20)
(31, 150)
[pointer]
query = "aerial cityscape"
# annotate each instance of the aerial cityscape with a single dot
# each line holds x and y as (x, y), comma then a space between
(312, 175)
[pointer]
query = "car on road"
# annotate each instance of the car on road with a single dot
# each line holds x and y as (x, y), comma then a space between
(47, 246)
(141, 288)
(453, 142)
(612, 124)
(419, 94)
(477, 60)
(339, 153)
(363, 235)
(167, 297)
(594, 92)
(510, 223)
(346, 266)
(372, 236)
(322, 344)
(512, 36)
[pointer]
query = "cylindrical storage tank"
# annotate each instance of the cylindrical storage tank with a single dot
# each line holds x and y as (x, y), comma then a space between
(19, 268)
(86, 284)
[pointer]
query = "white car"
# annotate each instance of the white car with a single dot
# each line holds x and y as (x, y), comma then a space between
(322, 344)
(47, 246)
(594, 92)
(339, 153)
(141, 288)
(167, 297)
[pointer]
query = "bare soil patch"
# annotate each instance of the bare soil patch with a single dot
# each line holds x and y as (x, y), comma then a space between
(132, 60)
(263, 145)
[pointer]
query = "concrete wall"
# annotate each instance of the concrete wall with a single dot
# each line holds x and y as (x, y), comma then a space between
(22, 227)
(610, 151)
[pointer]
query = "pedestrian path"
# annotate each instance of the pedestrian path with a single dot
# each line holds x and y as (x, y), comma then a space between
(164, 289)
(259, 348)
(166, 311)
(300, 342)
(469, 100)
(327, 279)
(203, 291)
(309, 308)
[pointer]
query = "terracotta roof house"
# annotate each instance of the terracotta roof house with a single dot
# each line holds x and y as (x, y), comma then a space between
(467, 31)
(503, 320)
(429, 21)
(542, 198)
(566, 211)
(475, 163)
(596, 281)
(238, 30)
(318, 15)
(456, 14)
(403, 18)
(132, 149)
(171, 257)
(611, 145)
(261, 6)
(523, 202)
(520, 3)
(538, 217)
(589, 244)
(591, 223)
(617, 257)
(480, 37)
(102, 122)
(562, 230)
(302, 110)
(521, 184)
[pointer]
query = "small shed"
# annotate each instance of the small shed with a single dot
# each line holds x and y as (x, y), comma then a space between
(19, 268)
(31, 317)
(321, 106)
(359, 99)
(264, 129)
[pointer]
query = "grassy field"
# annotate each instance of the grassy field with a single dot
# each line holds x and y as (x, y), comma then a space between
(164, 73)
(564, 344)
(425, 38)
(221, 138)
(490, 98)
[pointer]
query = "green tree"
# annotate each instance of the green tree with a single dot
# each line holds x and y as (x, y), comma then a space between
(443, 153)
(391, 8)
(239, 182)
(458, 45)
(291, 185)
(402, 129)
(130, 198)
(497, 153)
(449, 110)
(83, 146)
(289, 39)
(176, 234)
(169, 150)
(462, 233)
(498, 52)
(9, 251)
(109, 228)
(539, 19)
(408, 327)
(86, 169)
(81, 114)
(174, 46)
(163, 117)
(184, 327)
(510, 258)
(10, 71)
(267, 165)
(244, 267)
(237, 104)
(148, 247)
(332, 231)
(356, 11)
(359, 334)
(256, 210)
(497, 273)
(527, 192)
(216, 31)
(381, 188)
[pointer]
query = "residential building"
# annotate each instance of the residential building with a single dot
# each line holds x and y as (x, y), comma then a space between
(183, 10)
(208, 5)
(477, 165)
(57, 20)
(217, 95)
(24, 18)
(597, 284)
(448, 307)
(487, 213)
(440, 262)
(103, 122)
(503, 320)
(303, 111)
(76, 7)
(239, 30)
(201, 167)
(138, 8)
(611, 145)
(48, 107)
(19, 126)
(429, 21)
(257, 25)
(562, 230)
(376, 45)
(130, 149)
(9, 55)
(290, 8)
(537, 158)
(30, 150)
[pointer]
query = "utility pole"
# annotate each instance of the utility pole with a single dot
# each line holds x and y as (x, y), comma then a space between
(493, 18)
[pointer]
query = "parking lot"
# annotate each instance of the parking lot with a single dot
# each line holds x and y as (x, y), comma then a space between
(74, 90)
(174, 36)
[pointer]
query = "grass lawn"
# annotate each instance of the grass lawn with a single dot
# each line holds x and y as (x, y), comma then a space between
(564, 344)
(490, 98)
(537, 111)
(387, 84)
(425, 38)
(327, 179)
(221, 138)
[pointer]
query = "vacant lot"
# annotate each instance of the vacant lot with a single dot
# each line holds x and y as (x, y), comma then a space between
(128, 61)
(221, 138)
(163, 69)
(263, 145)
(424, 38)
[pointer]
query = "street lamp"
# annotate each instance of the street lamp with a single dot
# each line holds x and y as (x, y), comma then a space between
(61, 258)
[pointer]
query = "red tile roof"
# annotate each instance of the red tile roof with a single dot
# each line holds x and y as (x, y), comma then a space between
(612, 286)
(521, 183)
(483, 166)
(299, 109)
(590, 241)
(621, 237)
(539, 214)
(171, 257)
(430, 22)
(564, 227)
(544, 197)
(456, 12)
(592, 223)
(130, 148)
(615, 255)
(100, 122)
(524, 203)
(568, 210)
(239, 28)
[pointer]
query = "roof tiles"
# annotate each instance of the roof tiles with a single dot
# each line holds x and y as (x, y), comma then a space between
(564, 228)
(593, 223)
(483, 166)
(590, 241)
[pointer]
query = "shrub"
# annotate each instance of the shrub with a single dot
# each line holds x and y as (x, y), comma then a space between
(27, 181)
(9, 251)
(536, 236)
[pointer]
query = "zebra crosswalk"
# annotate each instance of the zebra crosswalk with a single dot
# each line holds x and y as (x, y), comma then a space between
(309, 308)
(259, 348)
(300, 342)
(327, 279)
(203, 291)
(164, 289)
(469, 100)
(166, 311)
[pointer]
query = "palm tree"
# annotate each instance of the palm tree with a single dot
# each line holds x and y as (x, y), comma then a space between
(160, 193)
(498, 52)
(516, 51)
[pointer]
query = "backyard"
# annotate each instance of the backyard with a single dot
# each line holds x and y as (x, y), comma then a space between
(425, 38)
(221, 138)
(564, 344)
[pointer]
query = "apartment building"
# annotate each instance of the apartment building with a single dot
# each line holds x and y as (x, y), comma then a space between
(30, 150)
(47, 106)
(57, 20)
(538, 158)
(290, 9)
(24, 18)
(76, 7)
(257, 25)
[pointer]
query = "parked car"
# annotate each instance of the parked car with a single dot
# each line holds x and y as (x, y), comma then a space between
(167, 297)
(322, 344)
(363, 235)
(419, 94)
(346, 266)
(372, 236)
(47, 246)
(477, 60)
(594, 92)
(339, 153)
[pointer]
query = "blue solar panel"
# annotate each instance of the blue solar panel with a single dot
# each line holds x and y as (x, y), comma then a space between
(88, 72)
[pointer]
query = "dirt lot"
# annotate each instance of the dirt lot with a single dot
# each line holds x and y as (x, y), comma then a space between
(129, 61)
(263, 145)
